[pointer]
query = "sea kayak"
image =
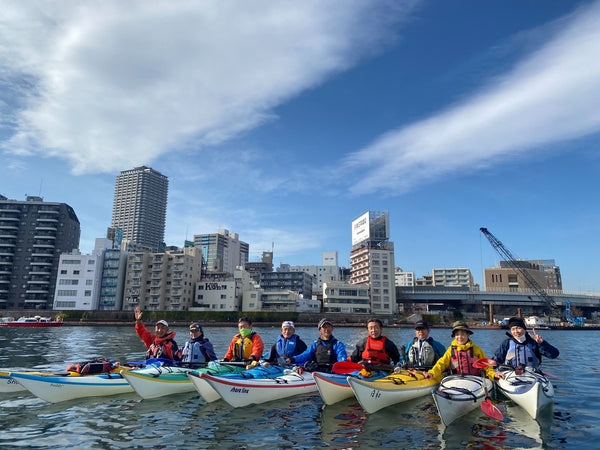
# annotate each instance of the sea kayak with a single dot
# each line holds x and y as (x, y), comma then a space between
(59, 388)
(335, 387)
(459, 394)
(207, 392)
(529, 388)
(390, 390)
(244, 392)
(10, 384)
(158, 380)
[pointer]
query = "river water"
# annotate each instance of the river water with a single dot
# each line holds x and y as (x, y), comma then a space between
(186, 421)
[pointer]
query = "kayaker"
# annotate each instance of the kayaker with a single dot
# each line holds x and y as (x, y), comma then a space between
(322, 353)
(521, 348)
(288, 344)
(422, 352)
(198, 349)
(460, 356)
(375, 348)
(159, 345)
(246, 345)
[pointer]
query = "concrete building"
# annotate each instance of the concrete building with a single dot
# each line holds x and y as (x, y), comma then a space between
(452, 277)
(78, 283)
(223, 294)
(222, 251)
(300, 282)
(318, 273)
(372, 260)
(255, 268)
(551, 273)
(33, 235)
(113, 280)
(162, 281)
(505, 278)
(404, 278)
(344, 297)
(140, 208)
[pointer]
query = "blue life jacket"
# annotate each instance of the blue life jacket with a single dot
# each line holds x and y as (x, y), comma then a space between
(286, 347)
(521, 354)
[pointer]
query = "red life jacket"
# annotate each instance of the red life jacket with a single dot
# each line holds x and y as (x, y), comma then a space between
(375, 351)
(462, 362)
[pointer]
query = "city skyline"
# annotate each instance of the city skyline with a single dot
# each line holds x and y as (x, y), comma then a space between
(283, 123)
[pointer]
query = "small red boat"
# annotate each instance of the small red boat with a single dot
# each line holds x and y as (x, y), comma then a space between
(30, 322)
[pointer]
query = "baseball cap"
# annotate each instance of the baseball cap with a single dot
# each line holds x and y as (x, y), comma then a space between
(323, 322)
(422, 324)
(195, 327)
(288, 323)
(164, 322)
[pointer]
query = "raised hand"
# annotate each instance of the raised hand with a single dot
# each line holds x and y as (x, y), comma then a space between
(536, 337)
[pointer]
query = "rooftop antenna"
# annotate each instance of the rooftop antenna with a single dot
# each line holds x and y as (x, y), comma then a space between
(41, 183)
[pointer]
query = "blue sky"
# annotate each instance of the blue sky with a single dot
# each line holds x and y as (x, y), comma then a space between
(285, 121)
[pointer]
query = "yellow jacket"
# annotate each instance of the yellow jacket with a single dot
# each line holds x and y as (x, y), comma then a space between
(443, 363)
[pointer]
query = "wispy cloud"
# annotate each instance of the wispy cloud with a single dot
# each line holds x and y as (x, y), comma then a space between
(550, 96)
(108, 84)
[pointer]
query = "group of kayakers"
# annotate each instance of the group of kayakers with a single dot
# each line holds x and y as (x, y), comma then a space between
(518, 350)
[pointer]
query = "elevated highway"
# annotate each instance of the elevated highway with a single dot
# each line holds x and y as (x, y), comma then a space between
(509, 302)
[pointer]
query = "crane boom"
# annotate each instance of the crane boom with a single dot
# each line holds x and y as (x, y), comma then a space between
(505, 253)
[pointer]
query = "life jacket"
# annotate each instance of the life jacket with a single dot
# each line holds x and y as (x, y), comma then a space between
(286, 347)
(324, 353)
(165, 347)
(242, 349)
(461, 362)
(427, 359)
(192, 351)
(521, 354)
(374, 351)
(98, 365)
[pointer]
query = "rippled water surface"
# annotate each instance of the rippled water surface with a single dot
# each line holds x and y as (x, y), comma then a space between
(185, 420)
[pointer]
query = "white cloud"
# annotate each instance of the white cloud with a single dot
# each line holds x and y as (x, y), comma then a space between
(113, 84)
(551, 96)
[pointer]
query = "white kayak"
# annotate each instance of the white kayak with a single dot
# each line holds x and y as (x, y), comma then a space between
(529, 388)
(458, 395)
(207, 392)
(59, 388)
(390, 390)
(158, 380)
(241, 392)
(9, 384)
(333, 387)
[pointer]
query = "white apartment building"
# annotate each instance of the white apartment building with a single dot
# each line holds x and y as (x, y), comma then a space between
(453, 277)
(223, 295)
(372, 260)
(404, 278)
(343, 297)
(318, 273)
(78, 282)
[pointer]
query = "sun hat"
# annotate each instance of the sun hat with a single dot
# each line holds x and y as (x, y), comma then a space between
(195, 327)
(163, 322)
(323, 322)
(460, 325)
(288, 323)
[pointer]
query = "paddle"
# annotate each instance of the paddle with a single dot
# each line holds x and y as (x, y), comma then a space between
(486, 405)
(345, 367)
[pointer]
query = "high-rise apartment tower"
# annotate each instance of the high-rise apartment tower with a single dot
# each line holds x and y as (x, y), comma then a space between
(140, 206)
(33, 235)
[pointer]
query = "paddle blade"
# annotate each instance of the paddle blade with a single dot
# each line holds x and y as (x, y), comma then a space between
(344, 367)
(483, 363)
(490, 410)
